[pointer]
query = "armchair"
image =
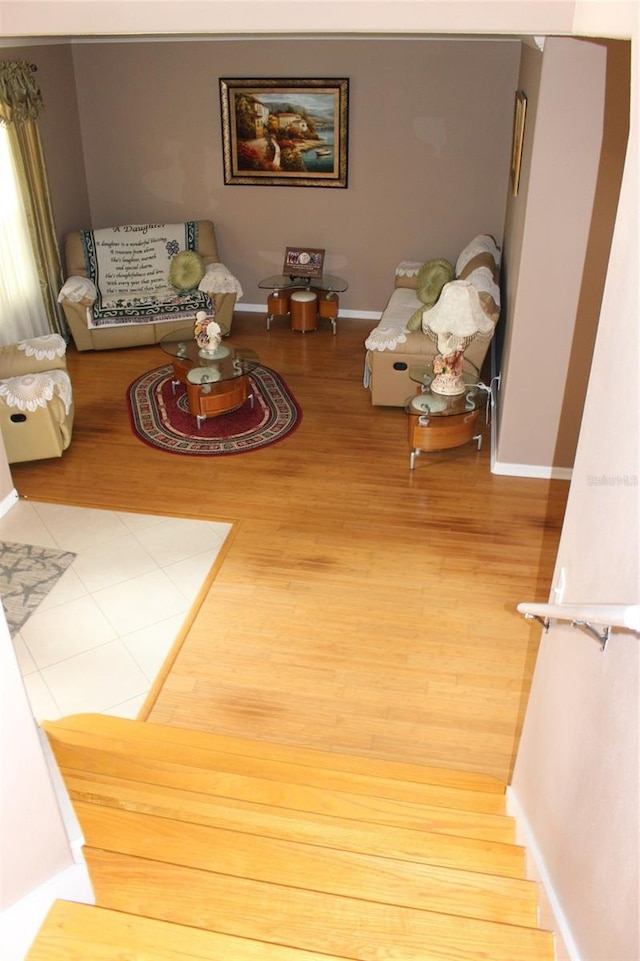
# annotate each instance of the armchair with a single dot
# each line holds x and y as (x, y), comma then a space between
(118, 291)
(36, 399)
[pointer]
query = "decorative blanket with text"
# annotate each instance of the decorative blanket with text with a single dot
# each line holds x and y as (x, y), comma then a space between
(130, 268)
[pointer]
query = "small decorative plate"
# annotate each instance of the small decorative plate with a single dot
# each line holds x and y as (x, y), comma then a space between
(203, 375)
(427, 404)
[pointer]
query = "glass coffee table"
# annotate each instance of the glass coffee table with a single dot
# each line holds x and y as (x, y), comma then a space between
(327, 287)
(442, 421)
(216, 382)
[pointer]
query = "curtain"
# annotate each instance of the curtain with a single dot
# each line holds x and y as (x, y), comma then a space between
(22, 311)
(20, 106)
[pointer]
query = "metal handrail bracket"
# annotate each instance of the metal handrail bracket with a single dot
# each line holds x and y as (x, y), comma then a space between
(596, 620)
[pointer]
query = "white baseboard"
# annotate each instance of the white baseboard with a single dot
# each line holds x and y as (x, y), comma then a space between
(7, 502)
(531, 470)
(552, 916)
(373, 315)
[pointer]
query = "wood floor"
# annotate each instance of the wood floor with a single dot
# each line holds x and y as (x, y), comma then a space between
(360, 607)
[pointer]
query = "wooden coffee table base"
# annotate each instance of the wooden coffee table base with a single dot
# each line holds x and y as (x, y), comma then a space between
(440, 433)
(211, 400)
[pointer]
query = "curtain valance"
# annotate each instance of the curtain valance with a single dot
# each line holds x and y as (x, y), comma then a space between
(20, 97)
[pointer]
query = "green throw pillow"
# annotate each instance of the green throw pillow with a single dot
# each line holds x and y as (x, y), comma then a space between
(432, 277)
(415, 321)
(187, 270)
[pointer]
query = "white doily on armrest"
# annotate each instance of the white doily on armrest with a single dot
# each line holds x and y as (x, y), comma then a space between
(386, 338)
(45, 347)
(408, 268)
(36, 390)
(76, 289)
(219, 280)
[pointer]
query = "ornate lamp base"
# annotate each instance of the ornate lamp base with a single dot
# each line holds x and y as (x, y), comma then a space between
(448, 384)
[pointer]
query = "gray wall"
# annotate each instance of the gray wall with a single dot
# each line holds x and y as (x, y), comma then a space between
(429, 143)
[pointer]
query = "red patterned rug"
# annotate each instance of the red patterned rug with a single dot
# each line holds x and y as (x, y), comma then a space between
(162, 419)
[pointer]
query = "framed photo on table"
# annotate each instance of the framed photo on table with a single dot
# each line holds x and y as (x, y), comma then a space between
(285, 133)
(303, 262)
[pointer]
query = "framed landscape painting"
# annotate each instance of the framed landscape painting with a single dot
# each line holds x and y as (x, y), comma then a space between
(285, 133)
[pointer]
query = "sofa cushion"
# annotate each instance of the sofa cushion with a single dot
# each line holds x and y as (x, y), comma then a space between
(186, 270)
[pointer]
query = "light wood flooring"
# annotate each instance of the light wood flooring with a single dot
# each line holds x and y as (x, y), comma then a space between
(360, 607)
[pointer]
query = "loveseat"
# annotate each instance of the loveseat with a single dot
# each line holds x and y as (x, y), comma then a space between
(118, 293)
(392, 347)
(36, 399)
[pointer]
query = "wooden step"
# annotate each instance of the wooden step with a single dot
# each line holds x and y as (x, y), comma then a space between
(308, 920)
(317, 866)
(340, 803)
(290, 850)
(205, 766)
(504, 860)
(144, 733)
(247, 794)
(81, 932)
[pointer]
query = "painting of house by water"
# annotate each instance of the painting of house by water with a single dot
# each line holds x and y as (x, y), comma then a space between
(291, 133)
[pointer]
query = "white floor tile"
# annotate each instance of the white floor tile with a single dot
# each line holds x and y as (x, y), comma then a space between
(141, 602)
(100, 637)
(26, 663)
(76, 528)
(41, 700)
(69, 588)
(64, 631)
(129, 709)
(22, 525)
(140, 522)
(190, 574)
(95, 680)
(150, 646)
(177, 538)
(113, 562)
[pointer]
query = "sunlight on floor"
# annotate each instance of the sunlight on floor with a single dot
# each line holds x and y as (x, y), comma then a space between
(98, 640)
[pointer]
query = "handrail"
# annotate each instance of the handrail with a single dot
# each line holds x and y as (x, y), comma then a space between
(585, 616)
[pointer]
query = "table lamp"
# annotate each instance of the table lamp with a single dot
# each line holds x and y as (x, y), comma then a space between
(453, 322)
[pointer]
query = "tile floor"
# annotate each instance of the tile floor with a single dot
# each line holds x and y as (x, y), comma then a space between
(100, 637)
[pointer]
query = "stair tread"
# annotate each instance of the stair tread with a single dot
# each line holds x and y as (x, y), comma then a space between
(202, 762)
(309, 920)
(77, 932)
(146, 732)
(447, 850)
(247, 793)
(369, 877)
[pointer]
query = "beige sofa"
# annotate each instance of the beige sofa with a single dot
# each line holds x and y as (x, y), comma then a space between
(85, 293)
(36, 399)
(391, 349)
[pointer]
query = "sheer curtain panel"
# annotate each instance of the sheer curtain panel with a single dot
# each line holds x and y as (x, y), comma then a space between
(22, 312)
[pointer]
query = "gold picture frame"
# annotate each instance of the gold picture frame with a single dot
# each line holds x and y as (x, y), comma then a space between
(285, 133)
(519, 117)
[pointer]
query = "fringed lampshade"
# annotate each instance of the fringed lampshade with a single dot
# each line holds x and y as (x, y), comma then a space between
(453, 322)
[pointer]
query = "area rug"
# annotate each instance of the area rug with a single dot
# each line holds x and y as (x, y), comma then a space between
(27, 574)
(161, 417)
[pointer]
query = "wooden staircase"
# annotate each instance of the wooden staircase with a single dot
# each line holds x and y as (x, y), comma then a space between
(209, 847)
